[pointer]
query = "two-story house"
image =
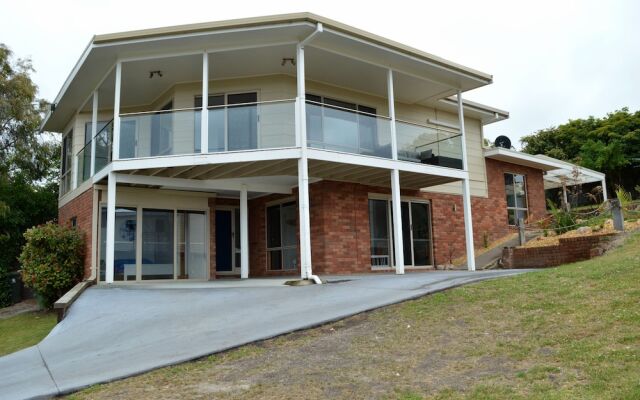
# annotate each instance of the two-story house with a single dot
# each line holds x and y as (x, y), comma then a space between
(282, 145)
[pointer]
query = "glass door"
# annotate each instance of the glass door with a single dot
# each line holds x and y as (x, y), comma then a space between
(228, 241)
(242, 120)
(192, 252)
(416, 233)
(420, 234)
(157, 244)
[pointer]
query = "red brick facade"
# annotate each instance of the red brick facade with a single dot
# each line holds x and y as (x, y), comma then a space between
(339, 212)
(80, 208)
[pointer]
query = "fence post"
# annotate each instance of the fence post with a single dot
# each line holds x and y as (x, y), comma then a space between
(616, 211)
(521, 235)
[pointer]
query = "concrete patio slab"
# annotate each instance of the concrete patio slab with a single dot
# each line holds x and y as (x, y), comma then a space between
(114, 332)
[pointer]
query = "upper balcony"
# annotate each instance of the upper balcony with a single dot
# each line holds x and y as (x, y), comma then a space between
(253, 84)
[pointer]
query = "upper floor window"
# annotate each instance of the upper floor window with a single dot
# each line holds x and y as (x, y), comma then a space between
(516, 191)
(344, 126)
(67, 161)
(88, 130)
(234, 127)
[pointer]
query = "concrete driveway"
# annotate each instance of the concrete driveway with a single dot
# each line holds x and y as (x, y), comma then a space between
(115, 332)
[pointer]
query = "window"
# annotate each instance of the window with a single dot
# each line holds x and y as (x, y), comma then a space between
(344, 126)
(234, 127)
(515, 190)
(73, 222)
(85, 170)
(282, 237)
(67, 161)
(161, 131)
(88, 130)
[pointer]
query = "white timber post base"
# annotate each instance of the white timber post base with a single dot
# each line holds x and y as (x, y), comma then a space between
(244, 233)
(466, 192)
(111, 222)
(468, 225)
(398, 246)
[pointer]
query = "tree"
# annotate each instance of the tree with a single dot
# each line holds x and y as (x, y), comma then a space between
(29, 161)
(610, 145)
(24, 151)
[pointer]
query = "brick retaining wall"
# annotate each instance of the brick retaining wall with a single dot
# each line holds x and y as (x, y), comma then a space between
(569, 250)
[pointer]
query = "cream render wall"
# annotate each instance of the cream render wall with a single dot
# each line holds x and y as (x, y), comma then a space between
(278, 118)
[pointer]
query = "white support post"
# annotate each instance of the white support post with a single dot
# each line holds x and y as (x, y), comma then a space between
(396, 211)
(605, 197)
(565, 199)
(466, 192)
(392, 115)
(115, 151)
(94, 132)
(244, 233)
(111, 223)
(74, 172)
(398, 245)
(303, 171)
(204, 115)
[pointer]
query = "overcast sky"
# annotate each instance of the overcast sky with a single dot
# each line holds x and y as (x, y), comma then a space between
(551, 60)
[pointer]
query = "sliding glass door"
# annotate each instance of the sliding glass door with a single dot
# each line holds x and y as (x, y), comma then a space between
(169, 245)
(416, 233)
(282, 248)
(192, 251)
(157, 244)
(124, 261)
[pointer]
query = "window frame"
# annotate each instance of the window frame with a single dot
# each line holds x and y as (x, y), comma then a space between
(515, 207)
(359, 111)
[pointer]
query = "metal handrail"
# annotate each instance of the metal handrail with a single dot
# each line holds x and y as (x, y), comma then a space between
(347, 109)
(160, 111)
(439, 140)
(430, 126)
(103, 128)
(251, 103)
(94, 137)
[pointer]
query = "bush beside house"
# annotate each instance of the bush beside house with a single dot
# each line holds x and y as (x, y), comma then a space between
(52, 261)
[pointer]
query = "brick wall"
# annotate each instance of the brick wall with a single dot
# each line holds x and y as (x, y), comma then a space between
(81, 208)
(568, 250)
(339, 213)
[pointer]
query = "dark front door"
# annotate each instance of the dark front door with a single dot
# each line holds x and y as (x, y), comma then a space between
(224, 256)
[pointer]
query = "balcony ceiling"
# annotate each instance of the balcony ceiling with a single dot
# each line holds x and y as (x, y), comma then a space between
(421, 76)
(284, 172)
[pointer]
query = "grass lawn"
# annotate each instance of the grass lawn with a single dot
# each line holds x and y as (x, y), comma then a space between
(567, 332)
(24, 330)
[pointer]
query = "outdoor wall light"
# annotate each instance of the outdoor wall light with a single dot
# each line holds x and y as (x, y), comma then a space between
(153, 73)
(291, 60)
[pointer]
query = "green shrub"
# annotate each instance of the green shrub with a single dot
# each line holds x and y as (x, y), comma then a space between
(563, 221)
(52, 261)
